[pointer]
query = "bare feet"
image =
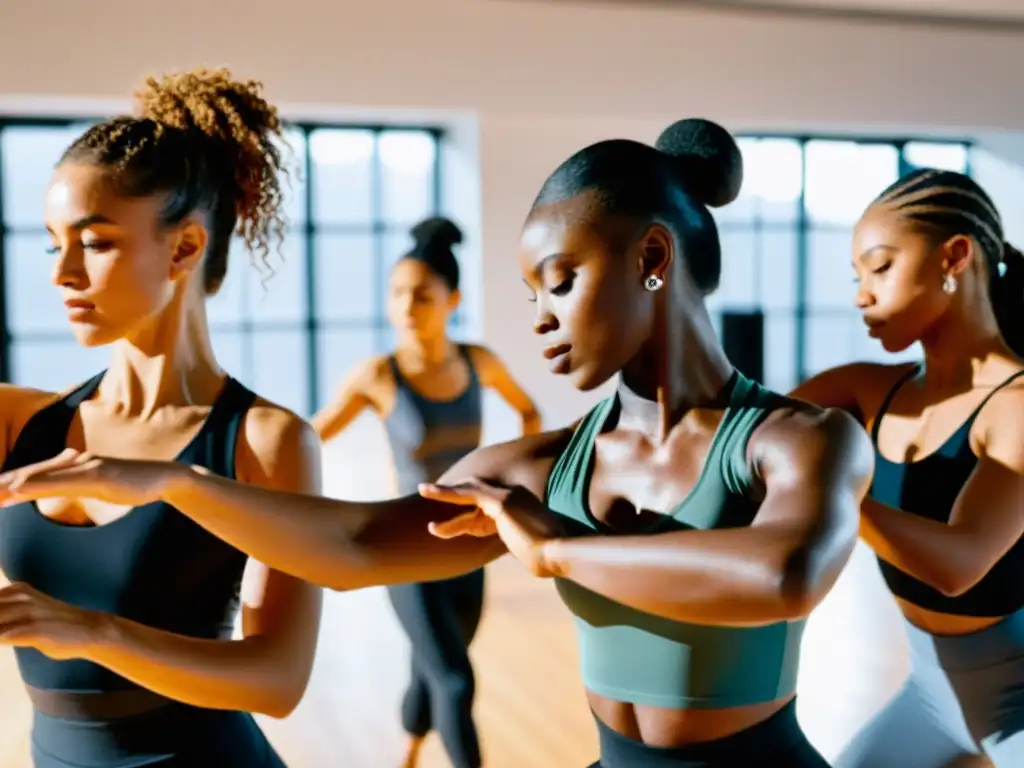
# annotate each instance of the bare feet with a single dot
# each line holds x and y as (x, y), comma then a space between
(412, 752)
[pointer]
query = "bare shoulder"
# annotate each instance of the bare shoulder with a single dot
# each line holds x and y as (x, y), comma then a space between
(278, 448)
(858, 388)
(484, 360)
(1001, 424)
(804, 435)
(526, 461)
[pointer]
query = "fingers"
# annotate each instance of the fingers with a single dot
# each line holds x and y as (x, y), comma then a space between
(468, 524)
(462, 495)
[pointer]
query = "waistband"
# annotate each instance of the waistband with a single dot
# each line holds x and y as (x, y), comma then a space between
(765, 743)
(1000, 642)
(102, 705)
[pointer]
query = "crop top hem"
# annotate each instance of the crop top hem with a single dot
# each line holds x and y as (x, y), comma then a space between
(626, 696)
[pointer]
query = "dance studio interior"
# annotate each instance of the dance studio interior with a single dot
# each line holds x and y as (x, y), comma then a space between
(398, 111)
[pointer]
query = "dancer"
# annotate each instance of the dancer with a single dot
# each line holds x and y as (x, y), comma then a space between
(428, 394)
(695, 518)
(121, 615)
(946, 510)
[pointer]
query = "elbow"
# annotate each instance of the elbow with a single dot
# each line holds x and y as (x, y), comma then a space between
(281, 699)
(804, 581)
(954, 582)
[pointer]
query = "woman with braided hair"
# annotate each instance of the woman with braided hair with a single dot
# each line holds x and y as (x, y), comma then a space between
(121, 616)
(945, 513)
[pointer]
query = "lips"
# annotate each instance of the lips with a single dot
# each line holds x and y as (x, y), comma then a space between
(558, 358)
(81, 304)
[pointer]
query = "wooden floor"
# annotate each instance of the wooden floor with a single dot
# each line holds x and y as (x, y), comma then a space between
(530, 710)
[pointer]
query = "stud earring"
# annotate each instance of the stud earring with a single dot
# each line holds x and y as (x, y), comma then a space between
(653, 283)
(949, 284)
(1001, 268)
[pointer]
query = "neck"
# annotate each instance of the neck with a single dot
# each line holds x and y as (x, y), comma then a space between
(425, 352)
(682, 369)
(961, 343)
(170, 362)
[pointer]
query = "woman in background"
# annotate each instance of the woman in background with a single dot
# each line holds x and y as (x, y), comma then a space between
(428, 394)
(122, 615)
(946, 509)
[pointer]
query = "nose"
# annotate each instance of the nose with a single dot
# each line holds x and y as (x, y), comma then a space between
(545, 321)
(864, 298)
(69, 269)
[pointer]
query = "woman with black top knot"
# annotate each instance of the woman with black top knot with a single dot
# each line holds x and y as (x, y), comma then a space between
(428, 393)
(945, 512)
(122, 614)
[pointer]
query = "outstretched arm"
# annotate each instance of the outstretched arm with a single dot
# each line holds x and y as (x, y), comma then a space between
(986, 521)
(339, 544)
(349, 401)
(494, 375)
(816, 469)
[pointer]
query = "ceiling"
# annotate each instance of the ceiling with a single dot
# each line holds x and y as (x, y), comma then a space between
(967, 9)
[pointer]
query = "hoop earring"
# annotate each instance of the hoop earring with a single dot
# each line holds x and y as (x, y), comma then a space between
(949, 284)
(653, 283)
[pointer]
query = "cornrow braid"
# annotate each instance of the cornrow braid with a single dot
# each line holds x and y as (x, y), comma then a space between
(208, 143)
(947, 203)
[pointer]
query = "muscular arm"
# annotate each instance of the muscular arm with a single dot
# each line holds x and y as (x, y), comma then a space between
(266, 671)
(494, 375)
(351, 545)
(816, 469)
(986, 521)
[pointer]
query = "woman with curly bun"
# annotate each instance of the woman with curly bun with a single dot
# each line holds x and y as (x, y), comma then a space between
(122, 616)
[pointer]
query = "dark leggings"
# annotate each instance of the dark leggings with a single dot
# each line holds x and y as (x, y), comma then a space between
(441, 618)
(777, 742)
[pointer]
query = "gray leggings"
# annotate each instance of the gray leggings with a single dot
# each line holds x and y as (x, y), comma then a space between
(964, 696)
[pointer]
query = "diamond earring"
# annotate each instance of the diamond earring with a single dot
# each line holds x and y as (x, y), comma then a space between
(653, 283)
(949, 284)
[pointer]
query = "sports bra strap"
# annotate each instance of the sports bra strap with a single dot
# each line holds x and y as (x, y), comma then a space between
(883, 409)
(1009, 380)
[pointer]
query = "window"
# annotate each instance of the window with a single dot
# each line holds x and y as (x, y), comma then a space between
(786, 243)
(288, 328)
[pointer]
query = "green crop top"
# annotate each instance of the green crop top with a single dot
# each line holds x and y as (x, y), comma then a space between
(632, 656)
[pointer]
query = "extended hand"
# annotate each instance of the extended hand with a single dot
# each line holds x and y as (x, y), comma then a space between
(81, 475)
(524, 524)
(28, 618)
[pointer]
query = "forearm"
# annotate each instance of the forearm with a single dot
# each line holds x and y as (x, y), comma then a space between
(531, 422)
(930, 551)
(736, 577)
(338, 544)
(215, 674)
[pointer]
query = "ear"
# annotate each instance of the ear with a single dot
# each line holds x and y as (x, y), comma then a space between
(188, 245)
(454, 299)
(958, 253)
(656, 252)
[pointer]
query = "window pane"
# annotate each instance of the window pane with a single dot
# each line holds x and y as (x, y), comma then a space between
(831, 274)
(55, 365)
(293, 186)
(843, 177)
(737, 288)
(279, 367)
(227, 306)
(831, 339)
(407, 176)
(33, 302)
(342, 171)
(772, 182)
(950, 157)
(776, 257)
(229, 347)
(29, 156)
(780, 351)
(276, 291)
(338, 350)
(345, 282)
(394, 245)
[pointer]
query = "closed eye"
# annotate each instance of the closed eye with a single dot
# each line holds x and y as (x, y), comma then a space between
(882, 268)
(563, 287)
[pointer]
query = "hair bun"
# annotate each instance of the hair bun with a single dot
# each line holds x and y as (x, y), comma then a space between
(707, 159)
(436, 234)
